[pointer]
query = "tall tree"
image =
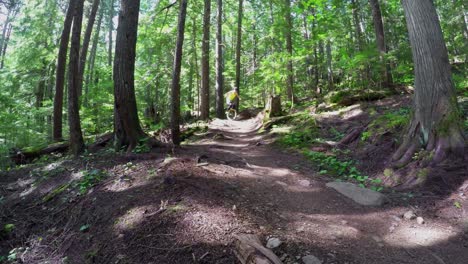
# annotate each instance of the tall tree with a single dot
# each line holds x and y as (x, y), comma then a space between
(219, 63)
(289, 49)
(240, 16)
(175, 88)
(76, 137)
(380, 38)
(92, 57)
(60, 72)
(205, 64)
(111, 31)
(436, 123)
(127, 127)
(85, 46)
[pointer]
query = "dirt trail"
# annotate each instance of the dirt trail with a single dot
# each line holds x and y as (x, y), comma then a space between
(187, 205)
(282, 197)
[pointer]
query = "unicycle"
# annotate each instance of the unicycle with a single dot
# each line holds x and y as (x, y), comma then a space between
(231, 114)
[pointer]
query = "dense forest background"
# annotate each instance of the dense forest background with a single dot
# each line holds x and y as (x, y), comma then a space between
(301, 50)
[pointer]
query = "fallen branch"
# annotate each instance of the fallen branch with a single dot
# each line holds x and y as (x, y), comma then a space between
(249, 250)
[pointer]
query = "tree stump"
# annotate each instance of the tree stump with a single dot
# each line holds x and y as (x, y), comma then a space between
(249, 250)
(273, 108)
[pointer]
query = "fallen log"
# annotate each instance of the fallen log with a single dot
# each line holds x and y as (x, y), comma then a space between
(27, 155)
(249, 250)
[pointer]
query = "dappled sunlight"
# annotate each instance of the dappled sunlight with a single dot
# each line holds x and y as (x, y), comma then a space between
(410, 236)
(132, 218)
(345, 113)
(211, 225)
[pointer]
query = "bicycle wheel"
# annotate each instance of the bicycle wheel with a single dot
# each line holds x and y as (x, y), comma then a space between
(231, 114)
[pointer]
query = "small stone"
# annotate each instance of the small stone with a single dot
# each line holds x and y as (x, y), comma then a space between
(410, 215)
(281, 183)
(310, 259)
(304, 183)
(420, 220)
(273, 243)
(344, 222)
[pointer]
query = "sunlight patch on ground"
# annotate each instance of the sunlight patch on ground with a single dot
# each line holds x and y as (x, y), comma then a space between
(132, 218)
(410, 236)
(321, 226)
(211, 225)
(344, 113)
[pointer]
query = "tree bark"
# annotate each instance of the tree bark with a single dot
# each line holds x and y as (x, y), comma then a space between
(127, 127)
(5, 45)
(111, 31)
(92, 57)
(219, 63)
(436, 123)
(85, 46)
(239, 49)
(175, 89)
(76, 137)
(289, 49)
(205, 64)
(60, 73)
(381, 44)
(329, 66)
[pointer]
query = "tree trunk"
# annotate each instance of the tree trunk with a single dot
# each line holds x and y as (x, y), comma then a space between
(239, 49)
(381, 44)
(85, 46)
(219, 64)
(60, 73)
(5, 45)
(175, 89)
(92, 57)
(357, 27)
(111, 31)
(205, 64)
(436, 123)
(76, 137)
(289, 48)
(329, 66)
(127, 127)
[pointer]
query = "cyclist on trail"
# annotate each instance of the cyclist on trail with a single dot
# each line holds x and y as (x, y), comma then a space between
(231, 97)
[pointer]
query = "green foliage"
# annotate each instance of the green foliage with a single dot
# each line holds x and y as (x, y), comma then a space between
(388, 122)
(303, 134)
(90, 178)
(8, 228)
(331, 165)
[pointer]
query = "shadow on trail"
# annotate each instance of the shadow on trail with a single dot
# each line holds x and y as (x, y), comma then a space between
(245, 188)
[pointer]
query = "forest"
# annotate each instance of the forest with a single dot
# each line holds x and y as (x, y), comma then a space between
(235, 131)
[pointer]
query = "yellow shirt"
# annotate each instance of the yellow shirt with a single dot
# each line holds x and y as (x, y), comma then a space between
(231, 96)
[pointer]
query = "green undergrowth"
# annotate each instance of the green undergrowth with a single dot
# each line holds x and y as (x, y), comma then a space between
(389, 122)
(89, 179)
(304, 132)
(343, 169)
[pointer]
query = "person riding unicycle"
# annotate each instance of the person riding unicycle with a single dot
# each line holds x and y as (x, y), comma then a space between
(231, 99)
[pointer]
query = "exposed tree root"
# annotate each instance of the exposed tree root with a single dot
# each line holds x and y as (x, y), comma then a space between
(439, 146)
(351, 137)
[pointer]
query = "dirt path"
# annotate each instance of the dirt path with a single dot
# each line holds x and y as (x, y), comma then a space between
(280, 196)
(187, 205)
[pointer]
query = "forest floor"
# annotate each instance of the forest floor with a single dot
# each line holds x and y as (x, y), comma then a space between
(186, 205)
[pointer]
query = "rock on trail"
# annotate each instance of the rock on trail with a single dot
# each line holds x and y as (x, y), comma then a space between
(360, 195)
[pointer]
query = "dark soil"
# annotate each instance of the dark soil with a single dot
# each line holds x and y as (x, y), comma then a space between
(185, 206)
